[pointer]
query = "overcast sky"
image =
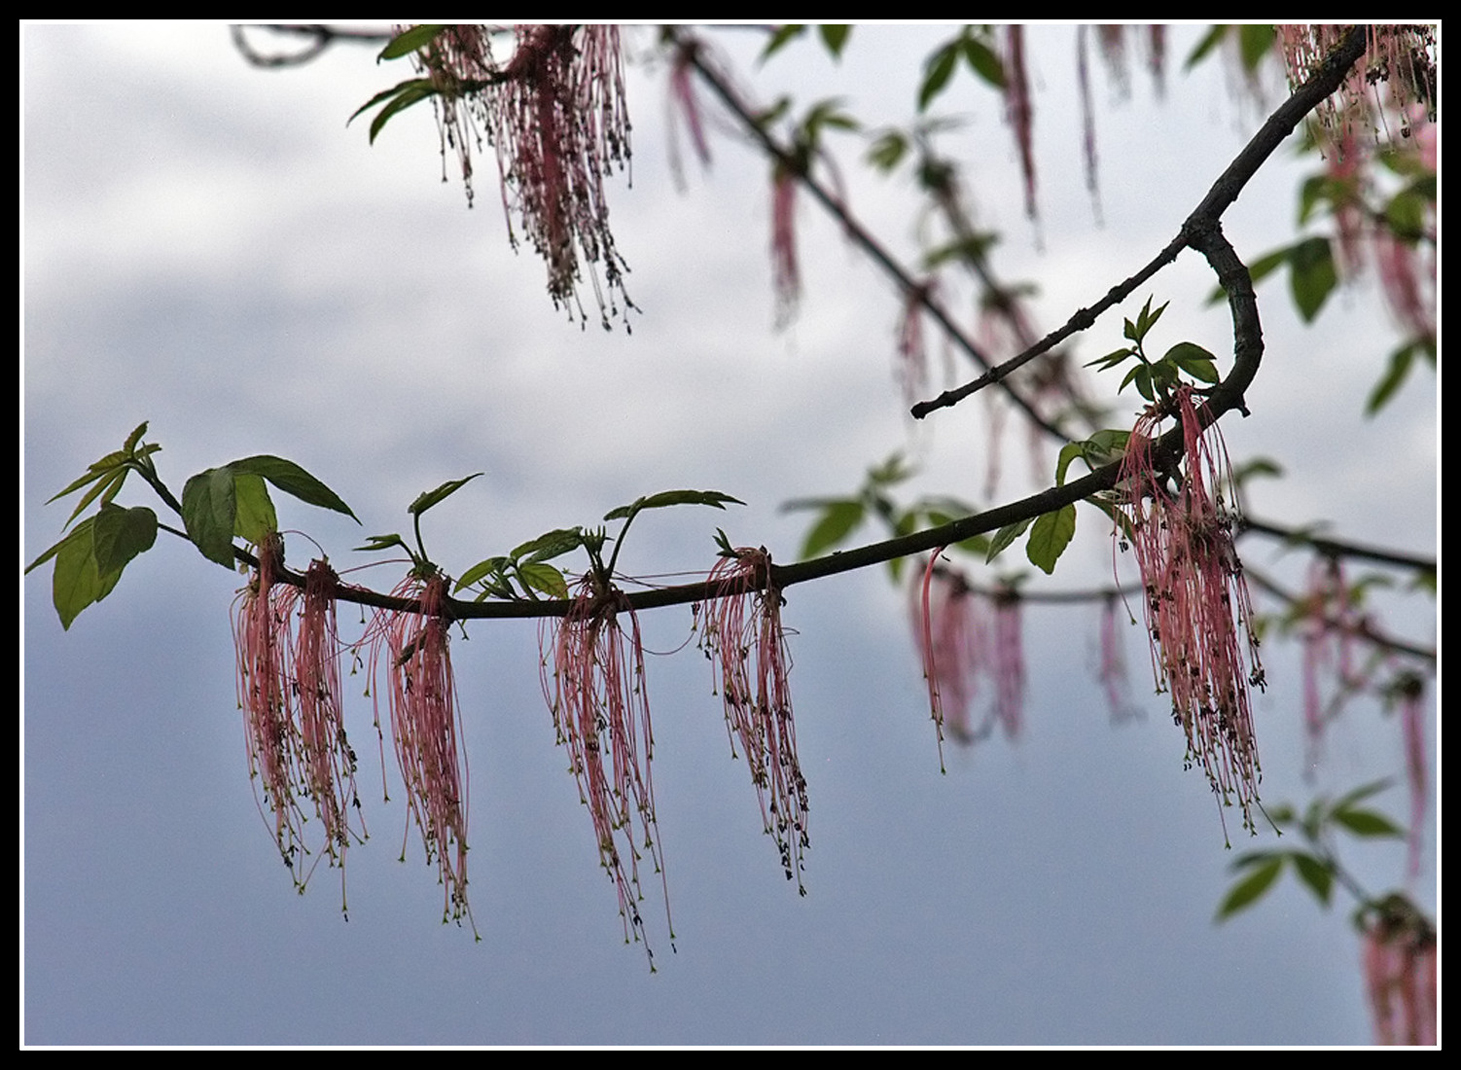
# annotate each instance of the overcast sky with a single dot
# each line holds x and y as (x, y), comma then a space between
(209, 248)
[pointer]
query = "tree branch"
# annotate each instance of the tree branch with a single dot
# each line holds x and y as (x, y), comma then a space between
(1207, 213)
(855, 231)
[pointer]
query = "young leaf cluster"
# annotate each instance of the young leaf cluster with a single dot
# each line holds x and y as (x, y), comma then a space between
(218, 504)
(974, 47)
(1156, 377)
(838, 518)
(525, 572)
(404, 94)
(1316, 867)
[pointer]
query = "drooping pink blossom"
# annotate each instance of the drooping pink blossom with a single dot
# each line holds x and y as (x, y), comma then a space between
(1395, 55)
(1111, 666)
(289, 688)
(425, 730)
(959, 643)
(276, 752)
(1389, 95)
(1408, 285)
(786, 279)
(330, 760)
(750, 662)
(945, 629)
(600, 706)
(1328, 637)
(1196, 602)
(1020, 110)
(1400, 971)
(684, 102)
(912, 364)
(1009, 663)
(556, 116)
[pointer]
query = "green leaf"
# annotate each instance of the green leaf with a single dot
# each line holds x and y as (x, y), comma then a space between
(1252, 887)
(295, 481)
(1194, 360)
(415, 95)
(118, 535)
(984, 62)
(1255, 468)
(1405, 213)
(549, 545)
(780, 39)
(1069, 452)
(1311, 276)
(254, 518)
(96, 471)
(835, 38)
(1142, 376)
(408, 41)
(427, 499)
(134, 438)
(401, 97)
(383, 542)
(936, 75)
(1003, 537)
(76, 583)
(1266, 264)
(1365, 822)
(208, 513)
(1049, 536)
(488, 567)
(1255, 41)
(383, 95)
(1282, 814)
(1395, 375)
(538, 576)
(894, 470)
(1364, 791)
(673, 497)
(107, 486)
(1315, 873)
(1106, 446)
(887, 151)
(1147, 319)
(837, 521)
(1210, 40)
(825, 113)
(1111, 359)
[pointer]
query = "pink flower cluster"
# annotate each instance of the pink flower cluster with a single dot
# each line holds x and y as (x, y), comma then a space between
(958, 644)
(742, 627)
(1400, 59)
(600, 707)
(1394, 54)
(422, 696)
(786, 276)
(1328, 633)
(1196, 601)
(1400, 972)
(289, 690)
(555, 114)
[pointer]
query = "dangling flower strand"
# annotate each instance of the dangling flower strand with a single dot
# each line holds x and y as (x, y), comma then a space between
(600, 705)
(424, 727)
(277, 763)
(1196, 600)
(742, 621)
(555, 114)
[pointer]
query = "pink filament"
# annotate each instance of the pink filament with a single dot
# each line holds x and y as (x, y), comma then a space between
(743, 622)
(1196, 601)
(600, 708)
(422, 698)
